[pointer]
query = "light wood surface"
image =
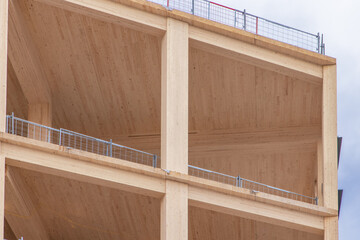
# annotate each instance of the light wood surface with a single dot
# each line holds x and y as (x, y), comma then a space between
(212, 225)
(114, 13)
(19, 203)
(238, 108)
(3, 89)
(174, 97)
(329, 135)
(24, 57)
(254, 55)
(255, 211)
(174, 128)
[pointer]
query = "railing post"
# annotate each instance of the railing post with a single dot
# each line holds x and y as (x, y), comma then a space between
(209, 10)
(244, 19)
(318, 38)
(12, 123)
(235, 19)
(257, 25)
(49, 135)
(7, 124)
(238, 181)
(155, 161)
(322, 44)
(316, 200)
(193, 7)
(60, 137)
(110, 146)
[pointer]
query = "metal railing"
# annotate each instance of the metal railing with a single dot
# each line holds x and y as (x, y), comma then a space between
(74, 140)
(248, 184)
(248, 22)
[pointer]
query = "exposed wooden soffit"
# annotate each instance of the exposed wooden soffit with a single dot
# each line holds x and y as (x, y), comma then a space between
(25, 59)
(259, 57)
(115, 13)
(20, 211)
(232, 32)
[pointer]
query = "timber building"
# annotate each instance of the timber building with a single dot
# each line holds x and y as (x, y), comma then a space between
(171, 120)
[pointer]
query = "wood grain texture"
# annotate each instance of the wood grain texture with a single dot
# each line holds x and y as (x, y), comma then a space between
(75, 210)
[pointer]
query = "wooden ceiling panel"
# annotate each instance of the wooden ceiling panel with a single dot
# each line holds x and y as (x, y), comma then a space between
(75, 210)
(209, 225)
(104, 78)
(16, 101)
(225, 94)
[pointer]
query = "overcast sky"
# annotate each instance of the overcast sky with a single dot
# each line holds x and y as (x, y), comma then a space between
(339, 22)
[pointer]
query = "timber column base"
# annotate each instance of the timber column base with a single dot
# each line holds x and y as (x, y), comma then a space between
(174, 212)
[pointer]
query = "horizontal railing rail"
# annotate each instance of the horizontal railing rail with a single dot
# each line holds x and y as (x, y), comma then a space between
(74, 140)
(248, 22)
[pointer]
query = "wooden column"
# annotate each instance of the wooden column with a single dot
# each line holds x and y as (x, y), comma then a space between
(3, 82)
(40, 113)
(329, 137)
(174, 128)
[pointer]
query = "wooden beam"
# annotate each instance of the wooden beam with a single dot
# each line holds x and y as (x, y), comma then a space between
(115, 13)
(214, 201)
(24, 57)
(23, 217)
(3, 88)
(329, 137)
(174, 97)
(174, 212)
(331, 226)
(257, 56)
(3, 63)
(2, 192)
(84, 171)
(174, 128)
(329, 150)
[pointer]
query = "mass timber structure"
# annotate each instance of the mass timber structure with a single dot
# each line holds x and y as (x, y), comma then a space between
(192, 91)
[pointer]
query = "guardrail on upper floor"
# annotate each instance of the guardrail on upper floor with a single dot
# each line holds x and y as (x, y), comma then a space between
(74, 140)
(248, 22)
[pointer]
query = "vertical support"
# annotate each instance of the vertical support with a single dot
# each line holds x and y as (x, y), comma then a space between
(110, 148)
(257, 25)
(318, 38)
(235, 18)
(174, 128)
(329, 150)
(244, 19)
(155, 161)
(40, 113)
(12, 123)
(174, 97)
(4, 6)
(193, 7)
(209, 10)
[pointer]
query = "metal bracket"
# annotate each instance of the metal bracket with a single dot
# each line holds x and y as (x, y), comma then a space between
(165, 170)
